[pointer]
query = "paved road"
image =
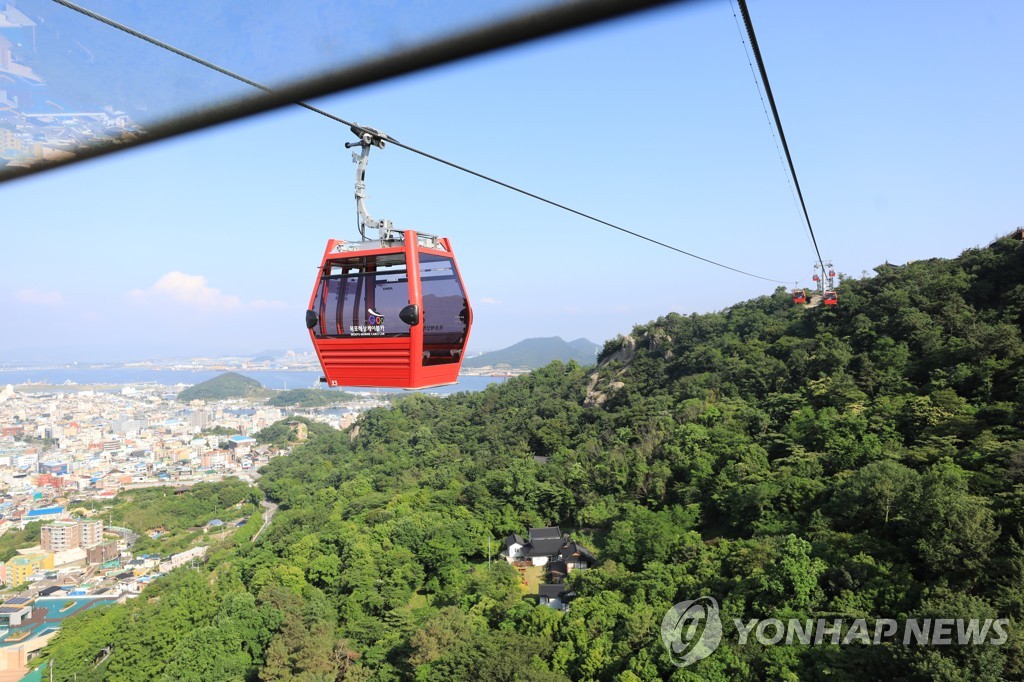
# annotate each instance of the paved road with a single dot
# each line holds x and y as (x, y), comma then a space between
(269, 509)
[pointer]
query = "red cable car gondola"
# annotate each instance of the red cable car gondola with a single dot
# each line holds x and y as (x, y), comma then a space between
(799, 296)
(390, 313)
(830, 298)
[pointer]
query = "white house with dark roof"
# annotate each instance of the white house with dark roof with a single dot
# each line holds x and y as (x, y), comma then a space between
(573, 556)
(555, 596)
(513, 548)
(543, 544)
(558, 552)
(547, 546)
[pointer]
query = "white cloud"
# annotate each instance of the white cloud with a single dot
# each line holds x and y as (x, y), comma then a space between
(490, 301)
(194, 291)
(36, 297)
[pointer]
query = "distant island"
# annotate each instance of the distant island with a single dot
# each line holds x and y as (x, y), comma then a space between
(223, 387)
(537, 352)
(231, 385)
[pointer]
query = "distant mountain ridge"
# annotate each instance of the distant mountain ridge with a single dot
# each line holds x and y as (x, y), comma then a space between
(537, 352)
(269, 354)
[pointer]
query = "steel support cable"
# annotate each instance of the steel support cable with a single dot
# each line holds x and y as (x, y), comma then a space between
(582, 214)
(778, 124)
(355, 126)
(768, 119)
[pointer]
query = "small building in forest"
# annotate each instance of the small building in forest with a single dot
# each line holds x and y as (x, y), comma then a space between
(547, 547)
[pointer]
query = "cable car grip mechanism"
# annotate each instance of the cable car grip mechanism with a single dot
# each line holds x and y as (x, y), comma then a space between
(368, 137)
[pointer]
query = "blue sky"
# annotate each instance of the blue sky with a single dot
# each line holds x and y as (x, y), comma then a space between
(903, 120)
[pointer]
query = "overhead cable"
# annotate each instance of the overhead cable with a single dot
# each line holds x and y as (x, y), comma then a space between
(778, 123)
(768, 119)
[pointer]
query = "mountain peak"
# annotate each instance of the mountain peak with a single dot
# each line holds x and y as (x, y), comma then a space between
(537, 352)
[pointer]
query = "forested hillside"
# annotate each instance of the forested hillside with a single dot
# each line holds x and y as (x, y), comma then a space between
(859, 462)
(223, 387)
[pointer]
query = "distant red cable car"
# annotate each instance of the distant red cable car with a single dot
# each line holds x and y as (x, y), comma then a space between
(391, 312)
(799, 296)
(830, 298)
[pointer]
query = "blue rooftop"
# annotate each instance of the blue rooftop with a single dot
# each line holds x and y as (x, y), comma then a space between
(46, 511)
(54, 610)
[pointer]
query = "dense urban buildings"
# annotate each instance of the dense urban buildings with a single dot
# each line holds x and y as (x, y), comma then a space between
(63, 450)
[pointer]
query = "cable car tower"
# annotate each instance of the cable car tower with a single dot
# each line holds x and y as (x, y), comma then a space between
(390, 311)
(825, 283)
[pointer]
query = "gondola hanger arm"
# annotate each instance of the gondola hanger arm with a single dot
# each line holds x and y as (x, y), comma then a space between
(368, 137)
